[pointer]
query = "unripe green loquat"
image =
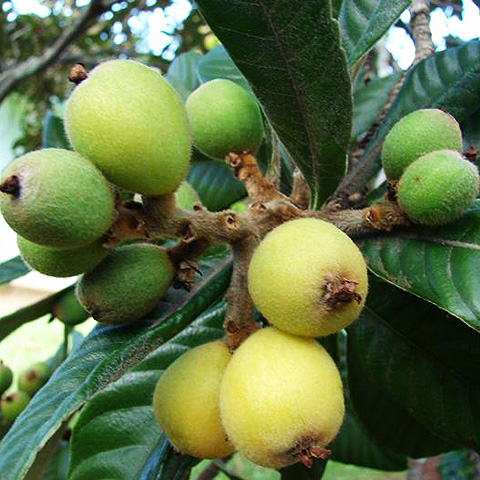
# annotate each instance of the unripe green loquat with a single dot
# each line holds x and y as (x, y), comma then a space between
(417, 134)
(224, 119)
(128, 120)
(56, 198)
(126, 285)
(61, 262)
(438, 188)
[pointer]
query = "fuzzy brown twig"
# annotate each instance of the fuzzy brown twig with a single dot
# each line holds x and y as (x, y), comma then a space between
(420, 27)
(301, 191)
(199, 229)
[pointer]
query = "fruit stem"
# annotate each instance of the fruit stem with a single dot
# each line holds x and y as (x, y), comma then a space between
(78, 74)
(11, 186)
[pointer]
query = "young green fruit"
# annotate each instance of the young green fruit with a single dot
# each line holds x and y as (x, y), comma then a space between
(186, 196)
(240, 206)
(130, 122)
(12, 405)
(185, 402)
(6, 378)
(61, 263)
(438, 188)
(69, 310)
(281, 399)
(416, 134)
(224, 118)
(308, 278)
(56, 198)
(32, 379)
(126, 285)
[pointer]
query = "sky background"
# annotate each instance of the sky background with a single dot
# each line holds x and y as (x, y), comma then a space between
(153, 27)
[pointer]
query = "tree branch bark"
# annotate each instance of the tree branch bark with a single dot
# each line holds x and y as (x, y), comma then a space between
(11, 77)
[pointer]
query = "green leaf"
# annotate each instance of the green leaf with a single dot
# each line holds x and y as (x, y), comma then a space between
(388, 423)
(439, 265)
(424, 360)
(12, 321)
(353, 445)
(364, 22)
(449, 80)
(182, 73)
(119, 422)
(218, 64)
(102, 358)
(57, 467)
(12, 269)
(300, 472)
(471, 130)
(214, 182)
(368, 101)
(336, 5)
(290, 53)
(53, 134)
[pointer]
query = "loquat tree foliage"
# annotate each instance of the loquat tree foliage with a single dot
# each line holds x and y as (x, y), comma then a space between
(254, 329)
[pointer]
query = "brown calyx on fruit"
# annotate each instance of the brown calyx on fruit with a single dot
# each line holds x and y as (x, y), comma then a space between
(31, 375)
(340, 290)
(11, 186)
(78, 73)
(304, 452)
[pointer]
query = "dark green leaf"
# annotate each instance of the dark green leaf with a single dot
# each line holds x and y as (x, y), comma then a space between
(364, 22)
(58, 465)
(425, 361)
(182, 73)
(119, 421)
(353, 445)
(368, 101)
(12, 269)
(12, 321)
(336, 5)
(102, 358)
(440, 265)
(290, 53)
(218, 64)
(449, 80)
(214, 182)
(300, 472)
(471, 130)
(385, 421)
(53, 134)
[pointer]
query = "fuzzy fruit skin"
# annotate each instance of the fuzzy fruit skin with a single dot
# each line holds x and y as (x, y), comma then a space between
(280, 392)
(126, 285)
(438, 188)
(128, 120)
(69, 310)
(185, 401)
(6, 378)
(224, 118)
(186, 196)
(63, 201)
(289, 271)
(12, 405)
(32, 379)
(416, 134)
(61, 263)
